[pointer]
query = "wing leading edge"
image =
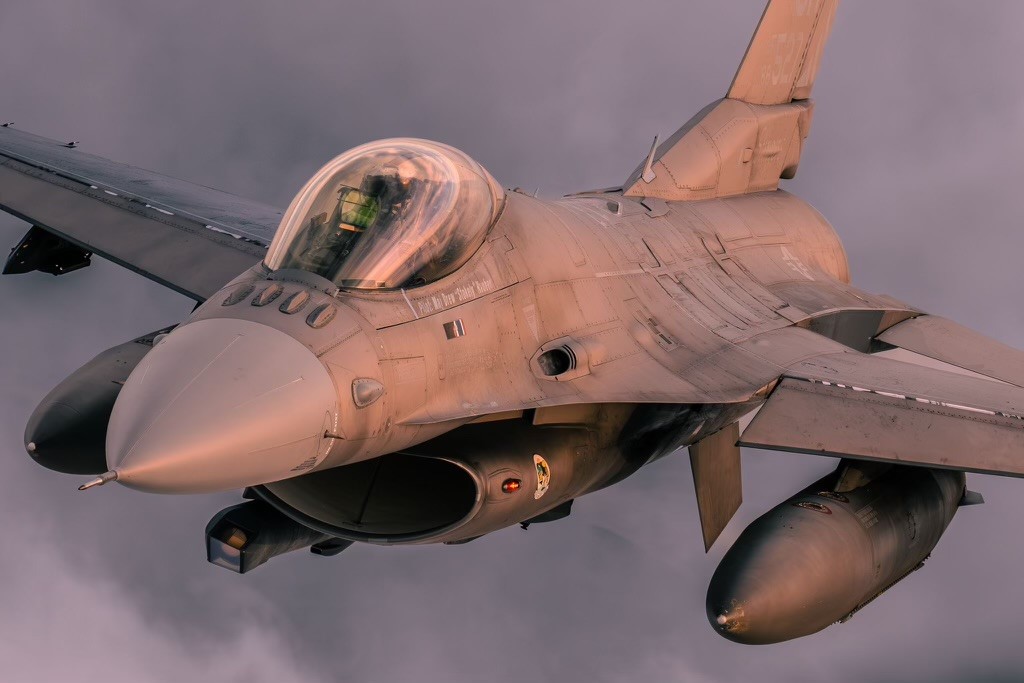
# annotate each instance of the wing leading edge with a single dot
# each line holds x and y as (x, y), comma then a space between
(187, 237)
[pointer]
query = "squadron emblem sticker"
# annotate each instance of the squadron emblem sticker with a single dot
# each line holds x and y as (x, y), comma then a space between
(543, 475)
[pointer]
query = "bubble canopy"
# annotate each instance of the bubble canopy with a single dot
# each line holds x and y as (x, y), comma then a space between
(387, 215)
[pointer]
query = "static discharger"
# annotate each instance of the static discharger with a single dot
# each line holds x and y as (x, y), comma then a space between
(99, 481)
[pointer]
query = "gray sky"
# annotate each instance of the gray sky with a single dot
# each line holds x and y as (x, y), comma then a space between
(914, 157)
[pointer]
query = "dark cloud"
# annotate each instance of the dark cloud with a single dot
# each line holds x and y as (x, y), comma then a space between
(913, 156)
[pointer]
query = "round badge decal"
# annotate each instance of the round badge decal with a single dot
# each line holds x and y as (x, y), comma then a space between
(543, 475)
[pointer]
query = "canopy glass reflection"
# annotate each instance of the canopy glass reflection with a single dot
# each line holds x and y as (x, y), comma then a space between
(390, 214)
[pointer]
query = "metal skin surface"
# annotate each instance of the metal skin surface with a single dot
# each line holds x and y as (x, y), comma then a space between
(946, 341)
(554, 456)
(256, 403)
(512, 302)
(561, 346)
(821, 555)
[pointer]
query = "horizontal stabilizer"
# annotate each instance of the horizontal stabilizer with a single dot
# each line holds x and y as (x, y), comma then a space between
(866, 407)
(946, 341)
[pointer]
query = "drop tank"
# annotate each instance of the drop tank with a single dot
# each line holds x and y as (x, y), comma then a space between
(826, 552)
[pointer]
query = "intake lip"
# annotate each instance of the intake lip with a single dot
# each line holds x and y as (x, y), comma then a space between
(221, 404)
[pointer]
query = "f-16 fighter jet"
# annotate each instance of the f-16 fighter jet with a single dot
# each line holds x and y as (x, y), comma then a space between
(410, 354)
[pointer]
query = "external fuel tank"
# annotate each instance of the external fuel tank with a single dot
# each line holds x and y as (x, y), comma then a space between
(820, 556)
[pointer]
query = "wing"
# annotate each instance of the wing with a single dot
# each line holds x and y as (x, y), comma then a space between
(869, 407)
(187, 237)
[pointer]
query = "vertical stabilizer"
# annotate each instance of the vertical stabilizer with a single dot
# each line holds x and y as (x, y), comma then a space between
(783, 57)
(754, 136)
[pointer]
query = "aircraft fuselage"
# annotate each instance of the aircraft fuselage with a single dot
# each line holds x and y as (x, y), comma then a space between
(567, 303)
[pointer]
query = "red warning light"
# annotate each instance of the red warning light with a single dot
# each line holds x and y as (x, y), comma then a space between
(511, 485)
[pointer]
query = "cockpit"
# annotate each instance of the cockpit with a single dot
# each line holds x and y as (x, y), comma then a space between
(390, 214)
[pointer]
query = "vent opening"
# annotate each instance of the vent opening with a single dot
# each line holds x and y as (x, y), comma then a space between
(557, 361)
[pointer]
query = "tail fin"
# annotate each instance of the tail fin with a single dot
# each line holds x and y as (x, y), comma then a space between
(752, 138)
(784, 53)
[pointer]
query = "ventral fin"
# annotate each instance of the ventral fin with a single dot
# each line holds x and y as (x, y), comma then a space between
(715, 461)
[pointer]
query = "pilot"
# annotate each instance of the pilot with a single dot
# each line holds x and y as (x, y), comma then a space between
(394, 185)
(357, 210)
(330, 237)
(384, 204)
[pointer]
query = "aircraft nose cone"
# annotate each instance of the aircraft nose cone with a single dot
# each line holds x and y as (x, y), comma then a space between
(221, 404)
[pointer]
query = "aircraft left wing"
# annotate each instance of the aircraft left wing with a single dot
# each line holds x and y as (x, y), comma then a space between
(190, 238)
(873, 408)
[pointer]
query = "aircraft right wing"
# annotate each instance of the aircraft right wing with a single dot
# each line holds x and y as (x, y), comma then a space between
(190, 238)
(873, 408)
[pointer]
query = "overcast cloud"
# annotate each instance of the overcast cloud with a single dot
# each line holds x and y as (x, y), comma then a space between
(914, 157)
